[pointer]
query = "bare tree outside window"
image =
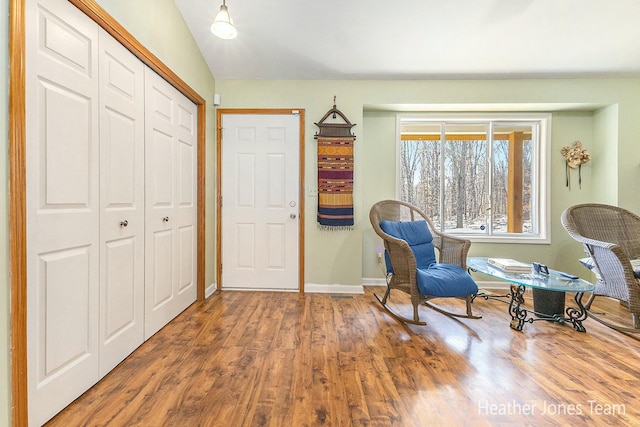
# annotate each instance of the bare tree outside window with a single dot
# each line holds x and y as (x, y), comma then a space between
(472, 178)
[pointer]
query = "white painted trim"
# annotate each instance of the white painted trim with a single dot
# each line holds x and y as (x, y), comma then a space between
(366, 281)
(333, 289)
(347, 289)
(258, 290)
(541, 179)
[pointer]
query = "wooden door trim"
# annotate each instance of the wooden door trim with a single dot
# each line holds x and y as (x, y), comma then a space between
(17, 179)
(18, 213)
(219, 113)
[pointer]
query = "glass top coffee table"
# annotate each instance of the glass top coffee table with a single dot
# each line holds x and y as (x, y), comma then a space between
(554, 281)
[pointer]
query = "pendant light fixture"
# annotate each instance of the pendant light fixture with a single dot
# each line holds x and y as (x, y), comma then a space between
(223, 25)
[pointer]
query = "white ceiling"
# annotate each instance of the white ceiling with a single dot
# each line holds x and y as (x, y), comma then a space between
(407, 39)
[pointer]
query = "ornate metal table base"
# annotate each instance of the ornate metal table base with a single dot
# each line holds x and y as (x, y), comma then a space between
(520, 315)
(554, 281)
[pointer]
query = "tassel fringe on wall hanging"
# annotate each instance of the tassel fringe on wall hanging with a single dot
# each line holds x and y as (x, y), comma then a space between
(335, 172)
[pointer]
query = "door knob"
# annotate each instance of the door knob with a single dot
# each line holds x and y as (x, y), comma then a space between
(124, 223)
(165, 219)
(292, 216)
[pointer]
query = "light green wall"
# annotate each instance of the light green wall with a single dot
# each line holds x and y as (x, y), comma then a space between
(379, 131)
(5, 385)
(603, 114)
(628, 135)
(606, 150)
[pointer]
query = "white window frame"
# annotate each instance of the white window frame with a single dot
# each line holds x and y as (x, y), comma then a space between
(540, 168)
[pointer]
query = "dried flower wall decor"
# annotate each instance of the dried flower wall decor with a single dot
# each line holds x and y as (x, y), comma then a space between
(575, 156)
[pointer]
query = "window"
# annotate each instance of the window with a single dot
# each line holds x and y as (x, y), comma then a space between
(483, 177)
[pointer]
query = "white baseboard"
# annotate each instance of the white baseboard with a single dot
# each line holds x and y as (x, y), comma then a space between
(209, 290)
(333, 289)
(308, 287)
(370, 281)
(359, 289)
(498, 284)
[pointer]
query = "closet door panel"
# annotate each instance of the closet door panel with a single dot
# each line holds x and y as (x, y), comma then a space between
(186, 257)
(160, 289)
(186, 177)
(119, 289)
(170, 205)
(62, 157)
(66, 150)
(186, 131)
(64, 283)
(161, 171)
(119, 162)
(122, 202)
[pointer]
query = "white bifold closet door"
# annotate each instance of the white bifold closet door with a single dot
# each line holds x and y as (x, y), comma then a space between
(122, 251)
(63, 206)
(171, 180)
(111, 204)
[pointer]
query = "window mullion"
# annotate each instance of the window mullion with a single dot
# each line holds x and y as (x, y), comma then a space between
(442, 175)
(490, 178)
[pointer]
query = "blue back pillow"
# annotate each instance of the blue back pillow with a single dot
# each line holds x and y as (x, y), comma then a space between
(417, 236)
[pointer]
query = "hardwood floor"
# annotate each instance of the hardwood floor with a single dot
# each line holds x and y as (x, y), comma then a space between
(284, 359)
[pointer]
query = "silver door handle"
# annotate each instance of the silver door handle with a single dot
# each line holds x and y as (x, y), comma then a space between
(292, 216)
(124, 223)
(165, 219)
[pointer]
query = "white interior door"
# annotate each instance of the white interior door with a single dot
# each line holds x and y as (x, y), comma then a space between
(63, 204)
(122, 202)
(260, 180)
(170, 187)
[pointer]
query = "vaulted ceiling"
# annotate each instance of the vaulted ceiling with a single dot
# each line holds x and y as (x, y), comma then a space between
(407, 39)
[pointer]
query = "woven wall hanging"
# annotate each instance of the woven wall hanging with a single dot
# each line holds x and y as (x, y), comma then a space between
(335, 172)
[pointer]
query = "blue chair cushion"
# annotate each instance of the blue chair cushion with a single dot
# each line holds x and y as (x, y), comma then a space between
(445, 280)
(437, 280)
(417, 236)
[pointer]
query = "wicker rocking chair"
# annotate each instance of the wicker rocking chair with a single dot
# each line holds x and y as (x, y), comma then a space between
(409, 241)
(611, 237)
